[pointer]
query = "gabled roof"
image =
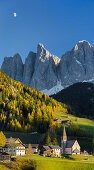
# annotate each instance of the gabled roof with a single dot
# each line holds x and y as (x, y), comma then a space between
(15, 139)
(46, 148)
(19, 144)
(15, 145)
(4, 153)
(70, 143)
(55, 147)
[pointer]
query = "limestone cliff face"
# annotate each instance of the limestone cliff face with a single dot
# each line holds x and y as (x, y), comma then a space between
(44, 76)
(39, 70)
(13, 67)
(77, 65)
(29, 68)
(43, 71)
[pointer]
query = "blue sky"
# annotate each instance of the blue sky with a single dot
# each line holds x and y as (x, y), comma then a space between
(58, 24)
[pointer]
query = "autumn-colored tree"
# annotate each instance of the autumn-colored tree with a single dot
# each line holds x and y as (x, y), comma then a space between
(25, 108)
(2, 139)
(11, 144)
(29, 151)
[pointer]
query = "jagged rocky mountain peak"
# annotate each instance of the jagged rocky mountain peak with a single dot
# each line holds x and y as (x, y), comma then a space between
(85, 43)
(45, 71)
(82, 44)
(41, 45)
(42, 53)
(17, 55)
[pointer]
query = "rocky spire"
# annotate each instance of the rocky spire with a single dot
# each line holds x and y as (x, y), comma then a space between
(42, 70)
(64, 135)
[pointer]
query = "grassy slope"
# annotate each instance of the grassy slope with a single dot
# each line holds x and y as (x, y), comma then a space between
(82, 122)
(85, 143)
(45, 163)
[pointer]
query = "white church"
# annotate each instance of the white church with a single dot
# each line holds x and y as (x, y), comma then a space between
(69, 147)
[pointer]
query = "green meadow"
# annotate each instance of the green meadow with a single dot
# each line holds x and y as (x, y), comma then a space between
(82, 122)
(36, 162)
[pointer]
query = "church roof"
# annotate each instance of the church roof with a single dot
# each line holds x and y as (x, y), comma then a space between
(70, 143)
(64, 135)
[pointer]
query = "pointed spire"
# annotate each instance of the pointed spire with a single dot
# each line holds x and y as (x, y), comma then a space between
(64, 135)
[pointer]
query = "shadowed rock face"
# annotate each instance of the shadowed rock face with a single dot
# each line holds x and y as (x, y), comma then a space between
(77, 65)
(13, 67)
(29, 68)
(43, 70)
(39, 70)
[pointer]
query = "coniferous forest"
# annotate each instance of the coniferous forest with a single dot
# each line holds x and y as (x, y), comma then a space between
(23, 108)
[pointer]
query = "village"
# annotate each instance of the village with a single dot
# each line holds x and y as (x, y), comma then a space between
(15, 147)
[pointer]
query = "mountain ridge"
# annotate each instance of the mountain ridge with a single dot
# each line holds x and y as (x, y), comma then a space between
(79, 97)
(43, 71)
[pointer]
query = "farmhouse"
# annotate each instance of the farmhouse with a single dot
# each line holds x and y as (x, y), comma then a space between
(16, 148)
(51, 150)
(45, 151)
(56, 150)
(69, 147)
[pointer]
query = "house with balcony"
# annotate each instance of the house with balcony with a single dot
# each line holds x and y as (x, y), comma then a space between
(14, 148)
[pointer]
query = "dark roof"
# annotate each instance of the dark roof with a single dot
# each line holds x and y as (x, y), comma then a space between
(70, 143)
(3, 153)
(33, 145)
(55, 147)
(65, 121)
(15, 145)
(46, 147)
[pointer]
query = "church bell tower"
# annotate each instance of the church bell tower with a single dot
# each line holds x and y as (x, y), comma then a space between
(63, 141)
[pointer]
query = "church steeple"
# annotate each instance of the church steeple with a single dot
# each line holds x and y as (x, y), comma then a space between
(63, 141)
(64, 135)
